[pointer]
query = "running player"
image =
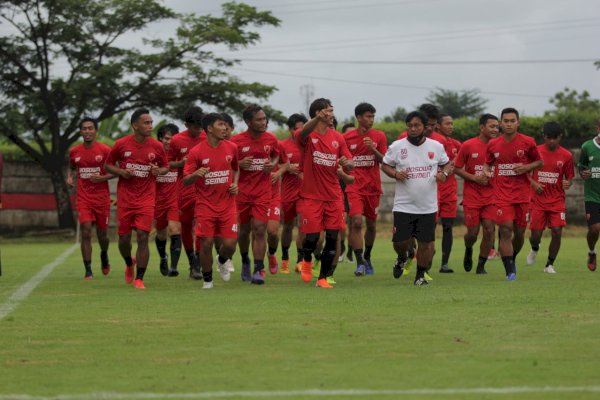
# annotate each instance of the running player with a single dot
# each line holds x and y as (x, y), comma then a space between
(367, 146)
(589, 170)
(274, 221)
(179, 148)
(478, 193)
(257, 154)
(87, 160)
(348, 127)
(324, 150)
(212, 168)
(514, 156)
(166, 212)
(140, 159)
(549, 183)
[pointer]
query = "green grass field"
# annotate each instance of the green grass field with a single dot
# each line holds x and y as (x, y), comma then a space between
(73, 339)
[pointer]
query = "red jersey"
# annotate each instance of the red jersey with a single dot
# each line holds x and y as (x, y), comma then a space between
(179, 147)
(320, 163)
(212, 191)
(166, 190)
(139, 191)
(510, 188)
(447, 191)
(290, 183)
(471, 157)
(88, 162)
(558, 166)
(366, 167)
(276, 186)
(255, 184)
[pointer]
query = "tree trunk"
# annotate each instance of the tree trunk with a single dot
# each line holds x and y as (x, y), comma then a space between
(64, 209)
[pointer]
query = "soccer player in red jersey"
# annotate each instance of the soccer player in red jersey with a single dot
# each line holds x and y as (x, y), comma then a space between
(166, 212)
(179, 148)
(212, 169)
(290, 192)
(87, 160)
(447, 191)
(258, 153)
(367, 146)
(346, 232)
(514, 156)
(324, 150)
(274, 214)
(549, 183)
(478, 193)
(140, 159)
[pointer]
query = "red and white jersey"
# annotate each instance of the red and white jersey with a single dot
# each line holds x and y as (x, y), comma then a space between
(510, 188)
(179, 148)
(212, 191)
(558, 166)
(290, 183)
(366, 167)
(255, 183)
(88, 162)
(321, 153)
(471, 157)
(139, 191)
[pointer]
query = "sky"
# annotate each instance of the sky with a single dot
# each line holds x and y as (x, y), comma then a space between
(389, 31)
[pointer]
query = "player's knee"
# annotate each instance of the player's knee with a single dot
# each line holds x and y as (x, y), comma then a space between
(331, 239)
(447, 224)
(310, 241)
(356, 221)
(556, 232)
(207, 244)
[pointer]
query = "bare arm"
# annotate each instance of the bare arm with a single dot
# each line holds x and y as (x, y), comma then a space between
(113, 169)
(193, 177)
(479, 179)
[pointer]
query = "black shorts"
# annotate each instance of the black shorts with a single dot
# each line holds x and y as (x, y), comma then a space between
(420, 226)
(592, 212)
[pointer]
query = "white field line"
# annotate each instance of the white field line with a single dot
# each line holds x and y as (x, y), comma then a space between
(311, 393)
(25, 290)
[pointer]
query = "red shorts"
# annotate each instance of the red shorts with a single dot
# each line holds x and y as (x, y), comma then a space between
(163, 216)
(474, 215)
(447, 209)
(518, 213)
(133, 218)
(224, 226)
(248, 211)
(320, 215)
(289, 210)
(540, 219)
(187, 208)
(274, 213)
(97, 214)
(363, 205)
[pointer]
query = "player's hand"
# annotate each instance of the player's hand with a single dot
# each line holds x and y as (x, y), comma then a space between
(96, 178)
(344, 162)
(401, 176)
(200, 172)
(155, 169)
(234, 189)
(268, 166)
(537, 187)
(275, 176)
(566, 184)
(482, 180)
(294, 169)
(369, 143)
(323, 115)
(441, 177)
(126, 173)
(301, 175)
(70, 181)
(520, 169)
(246, 162)
(585, 173)
(489, 174)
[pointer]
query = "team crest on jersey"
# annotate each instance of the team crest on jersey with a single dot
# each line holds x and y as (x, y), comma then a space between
(77, 159)
(98, 158)
(183, 150)
(474, 155)
(559, 164)
(430, 154)
(315, 140)
(127, 154)
(499, 212)
(267, 148)
(353, 146)
(403, 154)
(151, 156)
(245, 149)
(496, 155)
(229, 158)
(205, 161)
(335, 144)
(520, 153)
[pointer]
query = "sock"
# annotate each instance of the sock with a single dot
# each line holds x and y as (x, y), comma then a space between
(140, 273)
(535, 248)
(161, 246)
(368, 249)
(358, 253)
(342, 248)
(469, 252)
(331, 270)
(221, 259)
(402, 257)
(245, 258)
(104, 258)
(300, 255)
(515, 255)
(508, 264)
(272, 250)
(217, 248)
(259, 265)
(446, 239)
(285, 255)
(481, 262)
(88, 266)
(191, 256)
(550, 261)
(349, 248)
(128, 261)
(207, 276)
(175, 250)
(318, 257)
(326, 262)
(420, 272)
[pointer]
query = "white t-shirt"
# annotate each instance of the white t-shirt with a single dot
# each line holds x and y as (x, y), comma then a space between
(418, 193)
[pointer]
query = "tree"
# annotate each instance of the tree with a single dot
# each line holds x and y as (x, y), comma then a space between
(570, 100)
(398, 115)
(466, 103)
(577, 113)
(42, 101)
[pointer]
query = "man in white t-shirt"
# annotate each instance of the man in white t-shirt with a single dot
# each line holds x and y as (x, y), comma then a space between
(417, 163)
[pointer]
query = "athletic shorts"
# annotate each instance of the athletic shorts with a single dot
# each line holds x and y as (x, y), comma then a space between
(447, 209)
(133, 218)
(187, 208)
(274, 213)
(517, 213)
(248, 211)
(420, 226)
(318, 215)
(97, 214)
(163, 216)
(363, 205)
(540, 219)
(592, 212)
(289, 210)
(224, 225)
(474, 215)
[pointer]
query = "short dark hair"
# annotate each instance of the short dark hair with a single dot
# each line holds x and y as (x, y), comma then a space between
(193, 116)
(442, 116)
(138, 113)
(295, 118)
(552, 129)
(430, 110)
(486, 117)
(167, 128)
(318, 105)
(417, 114)
(250, 111)
(509, 110)
(227, 118)
(364, 108)
(346, 126)
(89, 119)
(210, 118)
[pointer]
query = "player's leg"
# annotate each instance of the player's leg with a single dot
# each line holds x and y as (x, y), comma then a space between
(402, 240)
(424, 232)
(273, 239)
(356, 238)
(205, 244)
(472, 223)
(286, 242)
(161, 246)
(102, 215)
(537, 223)
(174, 229)
(224, 257)
(328, 255)
(86, 248)
(142, 256)
(592, 211)
(505, 245)
(371, 207)
(553, 248)
(487, 243)
(259, 248)
(447, 224)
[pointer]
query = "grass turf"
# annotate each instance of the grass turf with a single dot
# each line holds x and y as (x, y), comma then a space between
(463, 331)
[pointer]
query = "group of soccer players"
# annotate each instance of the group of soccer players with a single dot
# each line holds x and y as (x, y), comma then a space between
(211, 191)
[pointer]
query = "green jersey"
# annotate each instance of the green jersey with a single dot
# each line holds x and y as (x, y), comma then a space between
(590, 159)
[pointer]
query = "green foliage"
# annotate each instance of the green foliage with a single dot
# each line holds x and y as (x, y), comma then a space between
(398, 115)
(391, 129)
(465, 103)
(577, 112)
(571, 100)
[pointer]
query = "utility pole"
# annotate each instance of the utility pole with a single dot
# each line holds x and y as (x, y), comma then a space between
(307, 92)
